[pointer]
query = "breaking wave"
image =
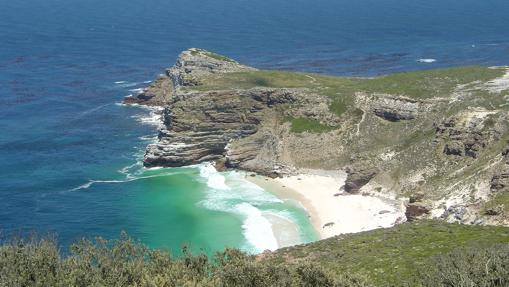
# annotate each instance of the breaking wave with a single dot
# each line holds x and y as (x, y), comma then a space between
(230, 192)
(427, 61)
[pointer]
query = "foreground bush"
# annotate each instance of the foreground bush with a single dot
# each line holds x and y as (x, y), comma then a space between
(123, 262)
(479, 267)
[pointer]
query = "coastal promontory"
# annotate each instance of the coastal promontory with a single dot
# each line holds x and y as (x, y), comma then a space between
(437, 140)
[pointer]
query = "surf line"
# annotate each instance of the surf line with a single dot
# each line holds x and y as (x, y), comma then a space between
(128, 179)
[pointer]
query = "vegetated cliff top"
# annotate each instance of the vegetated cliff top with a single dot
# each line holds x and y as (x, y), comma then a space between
(437, 138)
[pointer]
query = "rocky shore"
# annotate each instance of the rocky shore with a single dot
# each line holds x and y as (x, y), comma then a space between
(202, 126)
(435, 140)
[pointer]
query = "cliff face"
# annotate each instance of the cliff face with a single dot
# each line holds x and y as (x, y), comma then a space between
(437, 138)
(201, 127)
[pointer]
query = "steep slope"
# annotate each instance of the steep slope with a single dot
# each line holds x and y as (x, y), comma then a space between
(437, 139)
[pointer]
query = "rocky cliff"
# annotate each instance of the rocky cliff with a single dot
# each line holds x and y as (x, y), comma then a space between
(435, 138)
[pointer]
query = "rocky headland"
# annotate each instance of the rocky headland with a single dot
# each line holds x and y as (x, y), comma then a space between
(437, 140)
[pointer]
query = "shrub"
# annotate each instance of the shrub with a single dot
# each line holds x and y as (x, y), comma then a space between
(124, 262)
(478, 266)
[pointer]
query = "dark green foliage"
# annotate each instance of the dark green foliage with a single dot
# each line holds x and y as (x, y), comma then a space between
(480, 267)
(419, 254)
(123, 262)
(300, 125)
(338, 106)
(29, 263)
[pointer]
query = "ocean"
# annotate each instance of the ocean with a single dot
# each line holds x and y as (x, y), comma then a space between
(70, 154)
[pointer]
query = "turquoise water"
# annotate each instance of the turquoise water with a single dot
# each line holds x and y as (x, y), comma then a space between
(204, 208)
(194, 206)
(70, 155)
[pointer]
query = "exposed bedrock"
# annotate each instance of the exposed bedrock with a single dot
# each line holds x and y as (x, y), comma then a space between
(471, 132)
(157, 94)
(199, 126)
(500, 180)
(194, 65)
(396, 109)
(416, 210)
(358, 176)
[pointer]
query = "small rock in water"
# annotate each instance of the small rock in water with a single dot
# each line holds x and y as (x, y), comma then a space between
(384, 212)
(252, 175)
(337, 194)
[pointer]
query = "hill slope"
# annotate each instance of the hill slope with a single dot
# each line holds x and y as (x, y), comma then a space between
(392, 256)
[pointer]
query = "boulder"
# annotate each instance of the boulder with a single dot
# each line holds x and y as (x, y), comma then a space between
(415, 211)
(358, 176)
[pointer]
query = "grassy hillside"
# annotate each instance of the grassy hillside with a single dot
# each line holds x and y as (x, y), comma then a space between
(439, 83)
(393, 256)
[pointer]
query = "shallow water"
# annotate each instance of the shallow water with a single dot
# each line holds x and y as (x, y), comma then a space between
(64, 64)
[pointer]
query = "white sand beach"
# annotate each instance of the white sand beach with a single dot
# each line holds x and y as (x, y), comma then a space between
(333, 211)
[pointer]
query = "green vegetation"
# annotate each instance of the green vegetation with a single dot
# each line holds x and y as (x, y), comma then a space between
(418, 254)
(395, 256)
(432, 83)
(481, 267)
(341, 90)
(300, 125)
(211, 55)
(251, 79)
(420, 84)
(37, 262)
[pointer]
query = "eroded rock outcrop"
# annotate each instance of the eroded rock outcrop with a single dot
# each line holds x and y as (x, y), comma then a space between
(358, 176)
(470, 132)
(158, 93)
(194, 65)
(397, 109)
(500, 180)
(199, 126)
(203, 126)
(416, 210)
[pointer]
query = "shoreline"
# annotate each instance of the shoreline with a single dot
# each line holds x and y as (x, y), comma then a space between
(285, 231)
(331, 210)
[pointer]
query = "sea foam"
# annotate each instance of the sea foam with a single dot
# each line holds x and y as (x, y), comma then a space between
(215, 180)
(153, 118)
(230, 192)
(257, 229)
(128, 178)
(428, 61)
(137, 90)
(125, 84)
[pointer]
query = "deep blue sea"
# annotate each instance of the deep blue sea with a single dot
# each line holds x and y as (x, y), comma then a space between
(69, 153)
